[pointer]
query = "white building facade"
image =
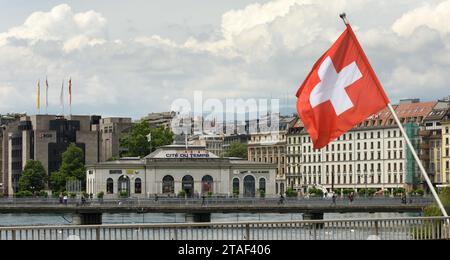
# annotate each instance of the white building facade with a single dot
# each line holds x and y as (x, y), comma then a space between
(371, 155)
(372, 158)
(174, 169)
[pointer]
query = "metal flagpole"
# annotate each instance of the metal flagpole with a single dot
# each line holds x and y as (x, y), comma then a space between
(413, 151)
(46, 95)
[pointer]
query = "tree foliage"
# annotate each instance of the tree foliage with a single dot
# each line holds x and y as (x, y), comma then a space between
(238, 150)
(290, 192)
(433, 210)
(33, 178)
(137, 141)
(72, 168)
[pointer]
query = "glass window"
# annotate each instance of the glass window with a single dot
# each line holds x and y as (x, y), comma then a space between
(109, 186)
(138, 186)
(168, 185)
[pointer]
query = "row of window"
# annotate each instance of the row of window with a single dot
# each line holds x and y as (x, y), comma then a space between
(350, 136)
(391, 155)
(359, 167)
(344, 179)
(359, 146)
(269, 160)
(270, 150)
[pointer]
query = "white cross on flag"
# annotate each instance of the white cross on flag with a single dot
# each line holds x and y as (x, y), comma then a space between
(340, 92)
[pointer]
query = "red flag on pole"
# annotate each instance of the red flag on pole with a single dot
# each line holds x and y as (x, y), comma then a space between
(340, 92)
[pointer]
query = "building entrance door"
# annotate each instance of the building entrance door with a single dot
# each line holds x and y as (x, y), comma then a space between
(188, 185)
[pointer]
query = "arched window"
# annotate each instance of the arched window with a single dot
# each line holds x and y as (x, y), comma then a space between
(124, 184)
(138, 186)
(109, 186)
(249, 186)
(262, 185)
(187, 185)
(236, 186)
(168, 185)
(207, 184)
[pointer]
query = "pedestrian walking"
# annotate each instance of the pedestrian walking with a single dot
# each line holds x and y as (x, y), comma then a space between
(351, 197)
(65, 199)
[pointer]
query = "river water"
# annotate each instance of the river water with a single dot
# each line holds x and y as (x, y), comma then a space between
(135, 218)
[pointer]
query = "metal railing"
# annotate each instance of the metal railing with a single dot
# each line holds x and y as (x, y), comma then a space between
(173, 201)
(418, 228)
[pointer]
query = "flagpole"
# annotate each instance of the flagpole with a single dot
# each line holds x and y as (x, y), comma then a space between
(46, 95)
(413, 151)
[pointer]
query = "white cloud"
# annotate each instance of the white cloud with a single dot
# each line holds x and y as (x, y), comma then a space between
(75, 31)
(261, 50)
(433, 16)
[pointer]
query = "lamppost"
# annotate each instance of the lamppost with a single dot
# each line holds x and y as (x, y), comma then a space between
(32, 190)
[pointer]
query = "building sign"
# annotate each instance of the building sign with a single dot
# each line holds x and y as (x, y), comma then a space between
(259, 171)
(115, 171)
(187, 155)
(45, 135)
(182, 154)
(132, 172)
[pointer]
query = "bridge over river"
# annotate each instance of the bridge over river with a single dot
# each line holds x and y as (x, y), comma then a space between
(200, 209)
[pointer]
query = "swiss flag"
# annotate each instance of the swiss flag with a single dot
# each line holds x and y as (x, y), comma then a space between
(340, 92)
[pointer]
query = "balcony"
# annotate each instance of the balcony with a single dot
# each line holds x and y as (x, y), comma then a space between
(425, 157)
(424, 146)
(424, 133)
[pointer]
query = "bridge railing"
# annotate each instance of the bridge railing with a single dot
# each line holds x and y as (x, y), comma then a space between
(418, 228)
(222, 201)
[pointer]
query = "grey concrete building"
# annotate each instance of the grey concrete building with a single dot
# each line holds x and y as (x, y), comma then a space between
(229, 139)
(111, 130)
(212, 142)
(5, 120)
(159, 119)
(45, 138)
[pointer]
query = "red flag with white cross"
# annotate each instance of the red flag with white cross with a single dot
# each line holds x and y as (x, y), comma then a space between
(340, 92)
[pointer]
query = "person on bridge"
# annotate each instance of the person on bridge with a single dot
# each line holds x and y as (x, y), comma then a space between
(351, 197)
(203, 199)
(334, 198)
(281, 199)
(403, 198)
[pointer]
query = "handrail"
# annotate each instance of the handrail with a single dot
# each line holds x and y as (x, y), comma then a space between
(243, 223)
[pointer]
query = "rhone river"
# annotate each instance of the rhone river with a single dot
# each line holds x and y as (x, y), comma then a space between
(135, 218)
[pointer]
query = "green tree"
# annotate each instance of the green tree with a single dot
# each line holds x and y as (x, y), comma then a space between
(160, 137)
(58, 181)
(33, 178)
(433, 210)
(290, 192)
(72, 168)
(138, 143)
(237, 149)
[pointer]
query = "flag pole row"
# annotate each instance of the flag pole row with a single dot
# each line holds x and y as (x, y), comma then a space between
(38, 96)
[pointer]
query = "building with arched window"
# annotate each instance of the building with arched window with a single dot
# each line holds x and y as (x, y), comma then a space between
(173, 170)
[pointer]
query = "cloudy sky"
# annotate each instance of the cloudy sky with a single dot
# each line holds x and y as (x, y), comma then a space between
(128, 58)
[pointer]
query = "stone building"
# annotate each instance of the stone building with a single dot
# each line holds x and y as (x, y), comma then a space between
(173, 169)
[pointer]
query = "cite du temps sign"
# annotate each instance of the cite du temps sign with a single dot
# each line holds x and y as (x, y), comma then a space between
(191, 155)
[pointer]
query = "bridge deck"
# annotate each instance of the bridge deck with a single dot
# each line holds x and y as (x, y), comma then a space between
(215, 206)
